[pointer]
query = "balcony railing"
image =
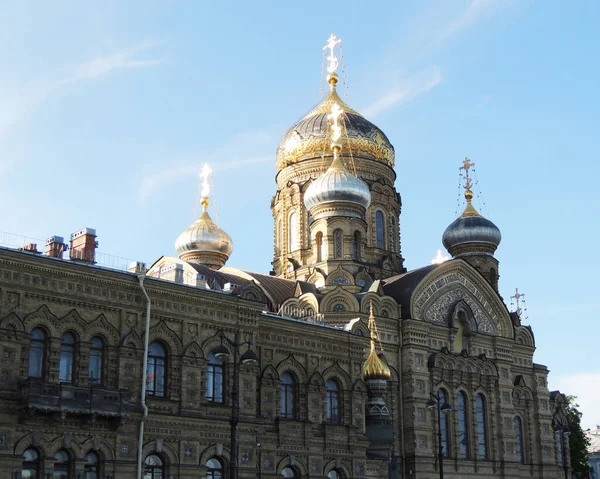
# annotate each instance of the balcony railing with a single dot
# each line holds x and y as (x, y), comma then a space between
(75, 400)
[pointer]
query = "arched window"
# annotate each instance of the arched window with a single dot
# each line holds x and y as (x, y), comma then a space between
(392, 234)
(96, 360)
(356, 245)
(288, 472)
(335, 474)
(215, 469)
(214, 379)
(154, 467)
(480, 420)
(319, 240)
(293, 229)
(332, 402)
(338, 244)
(156, 370)
(286, 396)
(444, 425)
(62, 465)
(31, 465)
(67, 356)
(37, 353)
(92, 466)
(463, 429)
(519, 453)
(380, 229)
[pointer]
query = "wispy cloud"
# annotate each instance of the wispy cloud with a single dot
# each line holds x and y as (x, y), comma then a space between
(475, 11)
(247, 149)
(120, 60)
(403, 91)
(586, 386)
(19, 104)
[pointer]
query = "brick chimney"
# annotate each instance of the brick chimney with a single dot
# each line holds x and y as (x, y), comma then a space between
(137, 267)
(55, 247)
(83, 246)
(31, 247)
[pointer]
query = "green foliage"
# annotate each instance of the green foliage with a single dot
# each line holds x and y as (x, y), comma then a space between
(578, 442)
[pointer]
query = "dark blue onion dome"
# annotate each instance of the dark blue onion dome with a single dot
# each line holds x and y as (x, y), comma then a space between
(471, 233)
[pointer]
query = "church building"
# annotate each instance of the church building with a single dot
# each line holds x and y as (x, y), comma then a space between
(337, 364)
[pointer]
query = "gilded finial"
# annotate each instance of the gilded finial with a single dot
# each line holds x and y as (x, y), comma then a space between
(333, 61)
(467, 165)
(469, 209)
(374, 367)
(205, 191)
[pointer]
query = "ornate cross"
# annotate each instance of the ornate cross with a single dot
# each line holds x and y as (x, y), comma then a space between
(332, 42)
(517, 298)
(204, 176)
(334, 116)
(467, 165)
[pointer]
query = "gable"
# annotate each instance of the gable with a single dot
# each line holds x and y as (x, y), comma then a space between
(436, 296)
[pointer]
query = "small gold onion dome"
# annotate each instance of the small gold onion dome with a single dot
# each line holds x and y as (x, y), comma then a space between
(374, 367)
(204, 242)
(309, 138)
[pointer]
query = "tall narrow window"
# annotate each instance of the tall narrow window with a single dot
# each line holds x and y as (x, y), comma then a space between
(519, 453)
(214, 379)
(293, 229)
(444, 425)
(62, 465)
(356, 245)
(338, 244)
(154, 467)
(332, 402)
(96, 359)
(480, 419)
(286, 396)
(156, 370)
(379, 229)
(37, 350)
(92, 466)
(558, 436)
(67, 355)
(309, 222)
(319, 240)
(392, 234)
(280, 233)
(215, 469)
(31, 465)
(463, 430)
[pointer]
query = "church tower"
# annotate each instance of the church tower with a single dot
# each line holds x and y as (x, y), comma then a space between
(336, 208)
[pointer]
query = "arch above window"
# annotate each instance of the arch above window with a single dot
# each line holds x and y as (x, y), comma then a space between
(154, 467)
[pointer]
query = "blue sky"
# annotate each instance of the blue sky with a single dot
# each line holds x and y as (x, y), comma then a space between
(108, 111)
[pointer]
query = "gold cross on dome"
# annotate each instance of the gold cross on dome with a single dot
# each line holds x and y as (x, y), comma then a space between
(467, 165)
(332, 42)
(204, 176)
(336, 129)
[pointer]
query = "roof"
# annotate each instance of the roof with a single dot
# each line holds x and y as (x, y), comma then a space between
(401, 287)
(277, 289)
(594, 436)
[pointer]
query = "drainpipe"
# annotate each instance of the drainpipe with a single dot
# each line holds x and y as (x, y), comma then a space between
(141, 277)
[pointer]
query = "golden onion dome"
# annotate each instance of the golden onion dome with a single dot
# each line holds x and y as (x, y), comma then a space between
(204, 242)
(309, 138)
(375, 368)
